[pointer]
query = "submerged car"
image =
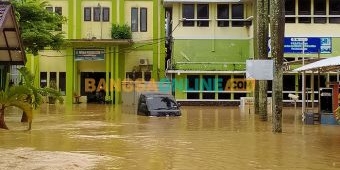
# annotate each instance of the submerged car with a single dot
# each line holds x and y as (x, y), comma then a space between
(157, 104)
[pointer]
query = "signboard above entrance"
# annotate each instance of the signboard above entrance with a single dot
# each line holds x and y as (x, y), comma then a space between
(311, 45)
(89, 54)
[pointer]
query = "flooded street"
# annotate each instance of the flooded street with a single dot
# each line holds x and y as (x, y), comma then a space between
(107, 137)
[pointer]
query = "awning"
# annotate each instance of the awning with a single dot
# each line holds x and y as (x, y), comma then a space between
(324, 65)
(168, 1)
(82, 43)
(11, 48)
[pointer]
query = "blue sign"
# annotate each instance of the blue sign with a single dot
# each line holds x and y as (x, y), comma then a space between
(308, 45)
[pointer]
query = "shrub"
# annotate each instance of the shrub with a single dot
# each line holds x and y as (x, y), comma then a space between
(121, 31)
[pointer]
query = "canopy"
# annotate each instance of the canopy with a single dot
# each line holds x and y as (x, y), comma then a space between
(11, 48)
(324, 65)
(167, 1)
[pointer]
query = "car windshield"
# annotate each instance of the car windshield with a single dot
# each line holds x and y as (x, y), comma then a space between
(161, 102)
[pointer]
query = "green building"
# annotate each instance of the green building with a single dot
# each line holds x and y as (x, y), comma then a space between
(93, 60)
(200, 45)
(211, 40)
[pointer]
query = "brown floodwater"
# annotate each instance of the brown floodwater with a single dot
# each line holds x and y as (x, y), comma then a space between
(107, 137)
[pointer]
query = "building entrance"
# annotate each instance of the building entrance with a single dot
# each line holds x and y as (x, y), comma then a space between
(92, 85)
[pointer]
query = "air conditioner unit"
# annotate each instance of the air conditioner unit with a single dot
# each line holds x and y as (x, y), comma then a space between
(143, 61)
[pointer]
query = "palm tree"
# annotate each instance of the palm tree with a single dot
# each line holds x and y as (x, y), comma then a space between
(26, 97)
(15, 96)
(36, 99)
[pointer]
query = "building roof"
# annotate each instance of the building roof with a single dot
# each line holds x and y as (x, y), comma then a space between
(11, 48)
(324, 65)
(225, 1)
(78, 43)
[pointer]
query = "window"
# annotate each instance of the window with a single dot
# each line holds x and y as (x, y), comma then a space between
(223, 13)
(188, 12)
(143, 19)
(59, 11)
(106, 14)
(290, 10)
(237, 13)
(62, 82)
(312, 9)
(304, 9)
(193, 82)
(43, 79)
(222, 81)
(147, 76)
(334, 9)
(202, 13)
(53, 76)
(320, 9)
(49, 9)
(87, 14)
(208, 83)
(96, 13)
(134, 19)
(139, 19)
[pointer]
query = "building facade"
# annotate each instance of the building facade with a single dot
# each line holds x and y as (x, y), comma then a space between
(200, 45)
(212, 40)
(93, 61)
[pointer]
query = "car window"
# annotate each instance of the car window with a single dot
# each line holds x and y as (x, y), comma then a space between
(142, 99)
(161, 102)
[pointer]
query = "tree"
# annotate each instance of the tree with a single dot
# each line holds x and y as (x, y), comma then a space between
(256, 89)
(261, 52)
(26, 97)
(37, 25)
(36, 98)
(15, 96)
(277, 27)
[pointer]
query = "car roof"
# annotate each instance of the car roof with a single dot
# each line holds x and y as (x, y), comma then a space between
(149, 94)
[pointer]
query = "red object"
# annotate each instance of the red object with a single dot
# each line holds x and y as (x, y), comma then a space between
(335, 86)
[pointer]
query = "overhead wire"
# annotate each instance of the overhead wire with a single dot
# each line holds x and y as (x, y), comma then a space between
(124, 50)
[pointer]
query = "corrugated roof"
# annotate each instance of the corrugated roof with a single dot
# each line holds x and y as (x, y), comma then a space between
(168, 1)
(3, 11)
(324, 65)
(11, 48)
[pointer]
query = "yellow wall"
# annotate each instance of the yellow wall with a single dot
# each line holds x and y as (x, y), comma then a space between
(57, 58)
(138, 36)
(100, 30)
(132, 59)
(91, 66)
(312, 30)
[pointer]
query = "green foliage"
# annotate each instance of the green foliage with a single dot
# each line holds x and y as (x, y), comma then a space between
(121, 31)
(37, 92)
(53, 84)
(37, 25)
(16, 96)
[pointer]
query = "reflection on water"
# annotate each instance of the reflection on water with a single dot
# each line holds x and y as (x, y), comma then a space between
(107, 137)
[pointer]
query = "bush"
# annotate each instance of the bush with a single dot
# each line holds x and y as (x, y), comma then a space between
(121, 31)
